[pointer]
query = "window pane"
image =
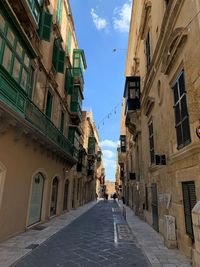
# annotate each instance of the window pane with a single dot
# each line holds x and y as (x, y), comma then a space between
(7, 58)
(19, 49)
(179, 135)
(186, 131)
(2, 23)
(26, 60)
(76, 63)
(36, 12)
(24, 78)
(181, 84)
(175, 89)
(177, 114)
(0, 44)
(184, 112)
(16, 69)
(10, 37)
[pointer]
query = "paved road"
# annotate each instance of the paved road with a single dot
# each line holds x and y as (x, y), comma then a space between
(100, 237)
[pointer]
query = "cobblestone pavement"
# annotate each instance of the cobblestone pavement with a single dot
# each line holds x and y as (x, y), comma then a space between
(152, 243)
(100, 237)
(18, 246)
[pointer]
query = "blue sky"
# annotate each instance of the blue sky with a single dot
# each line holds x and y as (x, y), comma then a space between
(101, 26)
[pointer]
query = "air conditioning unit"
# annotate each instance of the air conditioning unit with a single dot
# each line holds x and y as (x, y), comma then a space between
(160, 159)
(132, 176)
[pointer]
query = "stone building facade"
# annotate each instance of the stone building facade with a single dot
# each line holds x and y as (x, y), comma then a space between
(161, 178)
(41, 93)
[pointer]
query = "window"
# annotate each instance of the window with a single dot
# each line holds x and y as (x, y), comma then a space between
(151, 141)
(189, 201)
(35, 7)
(13, 56)
(181, 112)
(68, 81)
(49, 104)
(7, 58)
(2, 23)
(69, 42)
(16, 69)
(62, 120)
(59, 11)
(24, 79)
(45, 26)
(58, 56)
(148, 50)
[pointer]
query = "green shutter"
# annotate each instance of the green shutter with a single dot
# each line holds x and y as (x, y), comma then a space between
(59, 9)
(61, 61)
(69, 42)
(58, 57)
(49, 104)
(62, 119)
(55, 54)
(68, 81)
(71, 135)
(45, 26)
(91, 145)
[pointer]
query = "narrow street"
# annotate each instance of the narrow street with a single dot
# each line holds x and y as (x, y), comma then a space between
(100, 237)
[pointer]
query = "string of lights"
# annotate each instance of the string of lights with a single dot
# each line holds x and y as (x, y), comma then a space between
(109, 115)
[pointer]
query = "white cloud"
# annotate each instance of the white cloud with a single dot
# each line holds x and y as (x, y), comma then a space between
(108, 154)
(121, 20)
(109, 163)
(99, 22)
(109, 143)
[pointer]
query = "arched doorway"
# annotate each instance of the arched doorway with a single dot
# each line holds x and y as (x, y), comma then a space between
(54, 195)
(65, 199)
(35, 206)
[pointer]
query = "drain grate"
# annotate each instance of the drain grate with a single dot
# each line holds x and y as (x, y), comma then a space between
(39, 227)
(32, 246)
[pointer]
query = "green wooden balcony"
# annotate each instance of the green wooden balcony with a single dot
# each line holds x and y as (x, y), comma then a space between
(76, 110)
(78, 76)
(91, 145)
(14, 97)
(79, 65)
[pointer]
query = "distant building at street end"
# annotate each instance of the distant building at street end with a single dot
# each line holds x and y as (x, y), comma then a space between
(110, 187)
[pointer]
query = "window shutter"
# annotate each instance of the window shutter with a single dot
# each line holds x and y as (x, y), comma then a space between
(58, 57)
(59, 9)
(69, 42)
(55, 54)
(45, 27)
(91, 145)
(68, 81)
(61, 61)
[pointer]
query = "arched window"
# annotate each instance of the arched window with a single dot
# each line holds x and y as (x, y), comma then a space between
(54, 196)
(35, 207)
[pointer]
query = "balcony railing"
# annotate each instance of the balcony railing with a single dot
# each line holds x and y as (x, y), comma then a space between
(16, 99)
(40, 121)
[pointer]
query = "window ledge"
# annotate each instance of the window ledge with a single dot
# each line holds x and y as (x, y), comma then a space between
(154, 167)
(187, 151)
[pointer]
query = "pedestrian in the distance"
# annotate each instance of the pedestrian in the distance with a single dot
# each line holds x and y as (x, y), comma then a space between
(114, 196)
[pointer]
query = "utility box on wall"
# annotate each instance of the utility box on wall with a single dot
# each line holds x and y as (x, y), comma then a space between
(170, 231)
